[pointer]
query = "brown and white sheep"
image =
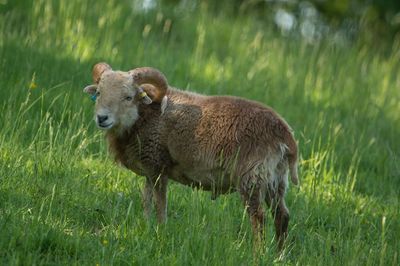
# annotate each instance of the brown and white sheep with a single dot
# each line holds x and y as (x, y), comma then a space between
(217, 143)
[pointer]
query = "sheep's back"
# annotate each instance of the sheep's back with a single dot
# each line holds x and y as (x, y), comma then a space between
(211, 132)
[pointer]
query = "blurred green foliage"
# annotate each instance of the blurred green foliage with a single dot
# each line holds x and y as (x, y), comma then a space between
(373, 17)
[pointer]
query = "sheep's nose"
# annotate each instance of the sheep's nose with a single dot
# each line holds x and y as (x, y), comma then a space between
(102, 118)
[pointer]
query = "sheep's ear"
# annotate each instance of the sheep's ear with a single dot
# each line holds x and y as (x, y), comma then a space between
(91, 89)
(143, 97)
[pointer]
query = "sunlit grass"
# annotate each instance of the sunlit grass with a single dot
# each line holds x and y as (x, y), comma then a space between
(63, 200)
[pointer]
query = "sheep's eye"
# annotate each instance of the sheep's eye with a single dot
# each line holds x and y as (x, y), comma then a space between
(128, 98)
(97, 93)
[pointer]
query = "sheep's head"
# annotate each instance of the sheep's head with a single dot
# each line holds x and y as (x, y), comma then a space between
(118, 94)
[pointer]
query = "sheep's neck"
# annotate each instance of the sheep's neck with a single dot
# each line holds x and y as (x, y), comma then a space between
(121, 146)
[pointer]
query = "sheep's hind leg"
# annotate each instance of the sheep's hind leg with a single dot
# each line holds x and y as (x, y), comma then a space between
(251, 193)
(281, 215)
(281, 220)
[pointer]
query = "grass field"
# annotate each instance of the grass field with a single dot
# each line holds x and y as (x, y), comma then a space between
(64, 201)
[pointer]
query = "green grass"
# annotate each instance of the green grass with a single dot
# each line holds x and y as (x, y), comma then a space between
(64, 201)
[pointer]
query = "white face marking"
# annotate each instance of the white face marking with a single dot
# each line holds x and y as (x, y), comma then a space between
(129, 118)
(105, 119)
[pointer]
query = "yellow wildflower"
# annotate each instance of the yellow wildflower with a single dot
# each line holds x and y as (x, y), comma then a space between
(33, 84)
(105, 242)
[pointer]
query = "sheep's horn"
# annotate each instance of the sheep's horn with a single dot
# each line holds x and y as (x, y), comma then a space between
(149, 75)
(98, 70)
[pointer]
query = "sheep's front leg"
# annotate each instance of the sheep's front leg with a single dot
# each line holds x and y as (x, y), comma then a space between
(147, 198)
(160, 196)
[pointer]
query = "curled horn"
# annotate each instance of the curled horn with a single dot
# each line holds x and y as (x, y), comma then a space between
(98, 70)
(151, 76)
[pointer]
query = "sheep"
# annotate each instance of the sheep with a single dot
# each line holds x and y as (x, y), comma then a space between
(220, 144)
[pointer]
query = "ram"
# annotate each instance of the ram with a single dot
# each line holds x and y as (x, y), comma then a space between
(217, 143)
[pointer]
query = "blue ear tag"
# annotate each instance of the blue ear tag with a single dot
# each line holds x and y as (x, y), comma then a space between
(93, 97)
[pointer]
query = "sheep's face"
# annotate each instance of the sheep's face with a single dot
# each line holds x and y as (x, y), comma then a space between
(117, 100)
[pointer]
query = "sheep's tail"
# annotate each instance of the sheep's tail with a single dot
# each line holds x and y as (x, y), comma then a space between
(292, 158)
(293, 169)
